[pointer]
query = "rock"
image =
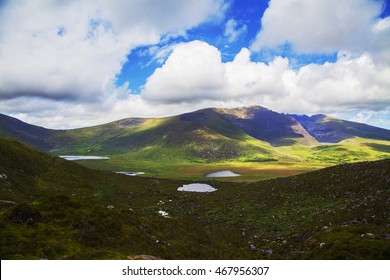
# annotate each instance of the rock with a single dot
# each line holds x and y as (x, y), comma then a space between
(269, 251)
(110, 207)
(370, 235)
(252, 246)
(163, 214)
(322, 245)
(8, 201)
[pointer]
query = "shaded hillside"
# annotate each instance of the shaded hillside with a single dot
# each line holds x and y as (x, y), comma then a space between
(32, 135)
(267, 125)
(248, 134)
(54, 209)
(331, 130)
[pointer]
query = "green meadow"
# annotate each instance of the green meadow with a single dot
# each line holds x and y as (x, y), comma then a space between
(252, 165)
(55, 209)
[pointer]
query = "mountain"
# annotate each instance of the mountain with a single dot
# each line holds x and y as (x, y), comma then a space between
(55, 209)
(32, 135)
(239, 138)
(206, 124)
(332, 130)
(128, 134)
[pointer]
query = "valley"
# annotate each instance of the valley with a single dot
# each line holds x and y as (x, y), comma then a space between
(253, 141)
(57, 209)
(314, 189)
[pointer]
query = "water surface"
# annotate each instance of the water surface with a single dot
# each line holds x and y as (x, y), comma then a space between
(130, 173)
(225, 173)
(82, 157)
(196, 187)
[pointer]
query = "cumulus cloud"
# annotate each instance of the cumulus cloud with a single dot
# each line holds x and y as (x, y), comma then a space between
(233, 30)
(194, 71)
(73, 49)
(57, 67)
(319, 26)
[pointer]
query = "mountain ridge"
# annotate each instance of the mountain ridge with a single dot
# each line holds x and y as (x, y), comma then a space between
(213, 135)
(256, 121)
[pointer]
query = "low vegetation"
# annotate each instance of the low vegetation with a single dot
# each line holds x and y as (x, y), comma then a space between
(55, 209)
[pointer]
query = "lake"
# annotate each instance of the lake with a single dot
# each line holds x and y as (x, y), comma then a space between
(226, 173)
(82, 157)
(196, 187)
(130, 173)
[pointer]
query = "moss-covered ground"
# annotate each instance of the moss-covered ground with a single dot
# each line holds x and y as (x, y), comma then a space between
(55, 209)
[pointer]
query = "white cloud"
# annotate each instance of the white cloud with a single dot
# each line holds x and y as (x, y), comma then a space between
(57, 66)
(194, 71)
(233, 30)
(73, 49)
(362, 117)
(319, 26)
(194, 77)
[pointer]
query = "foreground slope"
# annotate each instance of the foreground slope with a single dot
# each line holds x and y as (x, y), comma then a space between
(54, 209)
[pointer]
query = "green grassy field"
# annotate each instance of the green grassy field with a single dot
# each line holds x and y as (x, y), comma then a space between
(277, 162)
(55, 209)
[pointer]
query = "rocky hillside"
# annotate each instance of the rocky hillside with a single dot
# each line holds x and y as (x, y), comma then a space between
(55, 209)
(212, 134)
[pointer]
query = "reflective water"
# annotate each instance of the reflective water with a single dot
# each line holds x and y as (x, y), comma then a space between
(130, 173)
(82, 157)
(226, 173)
(196, 187)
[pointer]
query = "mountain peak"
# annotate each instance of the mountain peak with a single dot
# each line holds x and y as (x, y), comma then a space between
(247, 112)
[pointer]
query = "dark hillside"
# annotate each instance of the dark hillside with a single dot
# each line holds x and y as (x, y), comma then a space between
(332, 130)
(55, 209)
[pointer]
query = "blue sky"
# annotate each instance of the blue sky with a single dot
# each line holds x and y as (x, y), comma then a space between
(80, 63)
(140, 66)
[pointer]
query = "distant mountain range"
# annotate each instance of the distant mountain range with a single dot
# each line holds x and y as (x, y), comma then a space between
(248, 133)
(257, 122)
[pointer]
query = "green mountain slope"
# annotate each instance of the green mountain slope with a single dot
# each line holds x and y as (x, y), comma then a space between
(253, 141)
(332, 130)
(207, 127)
(32, 135)
(55, 209)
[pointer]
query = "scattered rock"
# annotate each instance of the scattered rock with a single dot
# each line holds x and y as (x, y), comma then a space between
(252, 246)
(163, 214)
(269, 251)
(7, 201)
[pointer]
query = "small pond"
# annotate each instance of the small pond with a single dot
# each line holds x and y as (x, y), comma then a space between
(196, 187)
(226, 173)
(82, 157)
(130, 173)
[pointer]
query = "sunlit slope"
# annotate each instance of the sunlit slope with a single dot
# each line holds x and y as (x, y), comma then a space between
(253, 141)
(209, 134)
(51, 208)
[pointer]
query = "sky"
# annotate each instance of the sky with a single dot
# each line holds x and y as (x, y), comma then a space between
(77, 63)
